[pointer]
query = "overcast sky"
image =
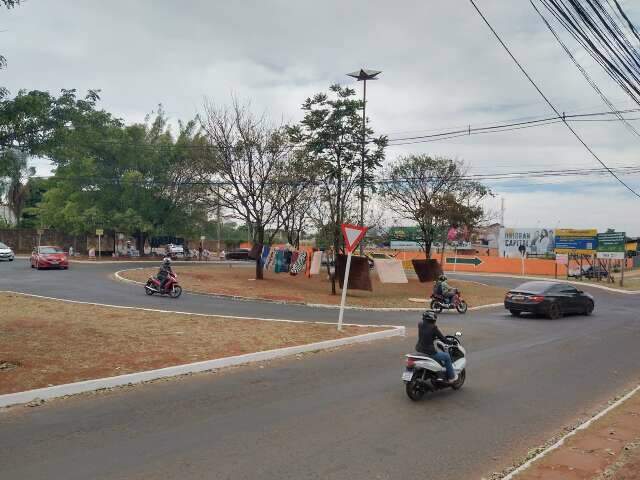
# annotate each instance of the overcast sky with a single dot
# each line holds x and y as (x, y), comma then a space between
(441, 68)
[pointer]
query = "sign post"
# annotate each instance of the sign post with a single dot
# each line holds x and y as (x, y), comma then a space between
(40, 232)
(353, 235)
(99, 233)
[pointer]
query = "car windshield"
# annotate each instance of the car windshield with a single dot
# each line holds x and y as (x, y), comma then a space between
(48, 250)
(3, 246)
(534, 287)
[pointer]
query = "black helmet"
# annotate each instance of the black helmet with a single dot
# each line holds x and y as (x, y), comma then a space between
(443, 278)
(429, 316)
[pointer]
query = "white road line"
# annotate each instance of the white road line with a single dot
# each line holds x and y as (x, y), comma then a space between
(560, 442)
(139, 377)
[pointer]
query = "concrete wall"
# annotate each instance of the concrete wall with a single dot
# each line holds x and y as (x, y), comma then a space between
(22, 240)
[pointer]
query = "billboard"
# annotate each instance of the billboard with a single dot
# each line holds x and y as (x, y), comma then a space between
(536, 241)
(577, 242)
(611, 245)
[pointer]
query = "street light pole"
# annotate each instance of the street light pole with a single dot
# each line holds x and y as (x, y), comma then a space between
(363, 75)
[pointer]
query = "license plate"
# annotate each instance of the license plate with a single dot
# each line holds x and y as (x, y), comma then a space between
(407, 375)
(518, 298)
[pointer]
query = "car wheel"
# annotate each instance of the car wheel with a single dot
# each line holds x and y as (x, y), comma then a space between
(515, 313)
(554, 311)
(589, 310)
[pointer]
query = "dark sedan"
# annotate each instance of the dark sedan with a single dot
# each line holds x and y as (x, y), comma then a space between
(548, 298)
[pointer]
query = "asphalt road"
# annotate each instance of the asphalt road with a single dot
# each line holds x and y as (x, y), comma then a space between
(331, 415)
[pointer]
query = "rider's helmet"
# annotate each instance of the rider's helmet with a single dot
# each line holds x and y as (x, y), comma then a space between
(166, 261)
(443, 278)
(429, 316)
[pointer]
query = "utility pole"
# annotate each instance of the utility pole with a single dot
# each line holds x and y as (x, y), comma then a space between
(502, 211)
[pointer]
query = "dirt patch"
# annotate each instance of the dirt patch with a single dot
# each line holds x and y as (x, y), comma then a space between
(239, 280)
(608, 449)
(44, 342)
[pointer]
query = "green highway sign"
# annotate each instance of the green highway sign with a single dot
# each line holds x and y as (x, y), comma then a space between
(611, 245)
(464, 260)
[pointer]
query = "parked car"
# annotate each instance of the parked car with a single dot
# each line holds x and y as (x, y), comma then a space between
(174, 250)
(6, 253)
(548, 298)
(591, 272)
(49, 257)
(238, 254)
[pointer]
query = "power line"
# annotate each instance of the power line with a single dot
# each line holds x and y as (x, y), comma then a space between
(526, 174)
(549, 102)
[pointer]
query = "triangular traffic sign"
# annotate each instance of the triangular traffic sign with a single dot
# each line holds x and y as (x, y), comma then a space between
(352, 234)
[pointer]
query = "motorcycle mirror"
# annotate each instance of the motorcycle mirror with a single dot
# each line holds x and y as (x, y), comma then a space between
(458, 334)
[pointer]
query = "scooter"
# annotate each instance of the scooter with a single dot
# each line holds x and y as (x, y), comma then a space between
(171, 287)
(439, 303)
(424, 374)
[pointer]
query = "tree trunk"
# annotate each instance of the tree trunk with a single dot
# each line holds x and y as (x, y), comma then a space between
(259, 239)
(427, 249)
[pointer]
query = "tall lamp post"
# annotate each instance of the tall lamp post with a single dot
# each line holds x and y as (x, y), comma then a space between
(363, 75)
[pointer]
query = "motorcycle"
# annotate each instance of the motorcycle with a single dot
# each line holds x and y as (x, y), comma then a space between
(424, 374)
(439, 303)
(171, 286)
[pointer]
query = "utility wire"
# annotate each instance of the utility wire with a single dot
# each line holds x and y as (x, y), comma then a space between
(549, 102)
(582, 70)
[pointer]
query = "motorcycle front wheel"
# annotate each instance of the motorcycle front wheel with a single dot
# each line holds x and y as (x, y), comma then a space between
(462, 307)
(414, 391)
(436, 306)
(176, 291)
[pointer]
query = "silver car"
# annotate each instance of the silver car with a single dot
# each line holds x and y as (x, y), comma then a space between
(6, 253)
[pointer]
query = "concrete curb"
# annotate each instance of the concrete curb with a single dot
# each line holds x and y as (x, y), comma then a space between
(139, 377)
(560, 442)
(525, 277)
(119, 277)
(133, 378)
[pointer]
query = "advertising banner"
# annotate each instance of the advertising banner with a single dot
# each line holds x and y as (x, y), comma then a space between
(611, 245)
(577, 242)
(536, 241)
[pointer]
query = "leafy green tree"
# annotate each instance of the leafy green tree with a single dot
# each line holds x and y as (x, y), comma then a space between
(331, 133)
(435, 193)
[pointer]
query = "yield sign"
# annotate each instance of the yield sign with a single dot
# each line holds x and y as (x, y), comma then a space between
(352, 235)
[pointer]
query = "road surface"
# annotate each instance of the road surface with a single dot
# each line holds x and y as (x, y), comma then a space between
(331, 415)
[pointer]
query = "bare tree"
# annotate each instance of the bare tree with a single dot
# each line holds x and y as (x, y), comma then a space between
(253, 170)
(433, 192)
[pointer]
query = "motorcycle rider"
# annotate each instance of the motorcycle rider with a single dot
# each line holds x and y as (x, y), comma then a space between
(443, 289)
(427, 333)
(163, 274)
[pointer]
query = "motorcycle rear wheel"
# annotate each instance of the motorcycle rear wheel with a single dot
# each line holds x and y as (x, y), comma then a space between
(462, 307)
(436, 306)
(148, 291)
(176, 291)
(414, 391)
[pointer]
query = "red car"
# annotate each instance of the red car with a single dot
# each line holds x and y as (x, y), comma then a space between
(49, 257)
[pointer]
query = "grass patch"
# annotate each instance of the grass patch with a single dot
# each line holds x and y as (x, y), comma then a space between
(46, 342)
(239, 280)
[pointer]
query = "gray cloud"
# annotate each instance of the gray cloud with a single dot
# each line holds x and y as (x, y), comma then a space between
(441, 67)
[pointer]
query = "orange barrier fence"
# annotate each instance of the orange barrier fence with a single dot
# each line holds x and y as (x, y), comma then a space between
(484, 264)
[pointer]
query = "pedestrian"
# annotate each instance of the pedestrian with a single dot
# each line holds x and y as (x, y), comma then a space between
(71, 251)
(200, 249)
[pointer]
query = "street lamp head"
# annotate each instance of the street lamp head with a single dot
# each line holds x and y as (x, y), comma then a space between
(364, 74)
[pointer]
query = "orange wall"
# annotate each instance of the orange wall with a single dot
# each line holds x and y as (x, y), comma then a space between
(495, 265)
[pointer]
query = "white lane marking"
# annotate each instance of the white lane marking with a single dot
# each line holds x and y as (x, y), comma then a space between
(560, 442)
